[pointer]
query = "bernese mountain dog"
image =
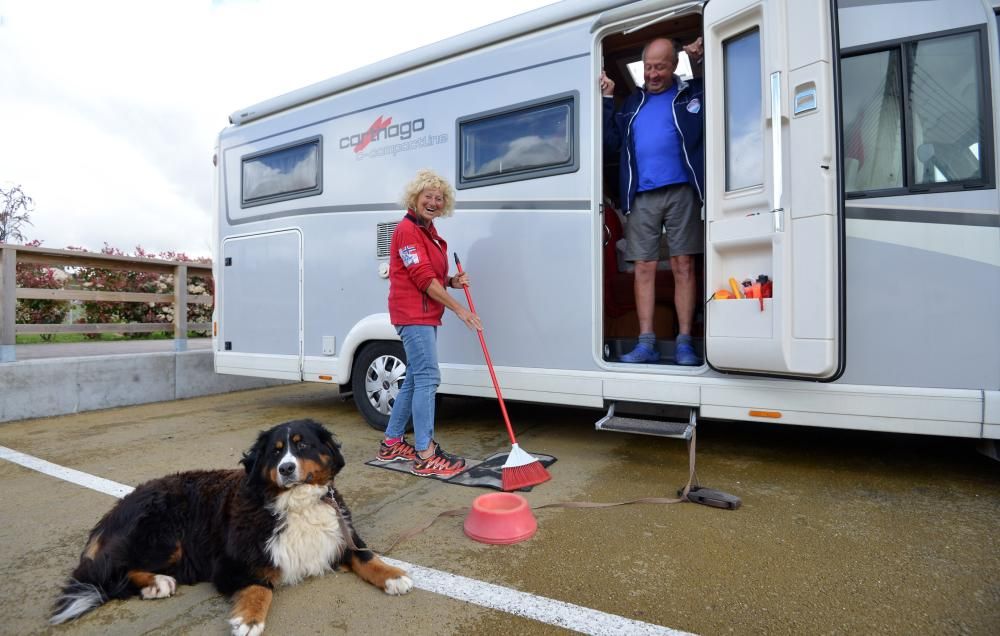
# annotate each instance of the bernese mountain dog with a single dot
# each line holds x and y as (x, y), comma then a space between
(274, 522)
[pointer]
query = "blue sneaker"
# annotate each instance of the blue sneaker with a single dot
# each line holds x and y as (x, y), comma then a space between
(684, 354)
(641, 353)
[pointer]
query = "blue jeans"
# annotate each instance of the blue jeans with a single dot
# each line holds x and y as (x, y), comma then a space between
(416, 396)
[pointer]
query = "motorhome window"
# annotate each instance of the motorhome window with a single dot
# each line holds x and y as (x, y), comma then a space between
(915, 117)
(283, 173)
(744, 133)
(873, 141)
(528, 142)
(945, 104)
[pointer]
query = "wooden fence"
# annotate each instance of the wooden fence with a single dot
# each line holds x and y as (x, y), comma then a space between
(11, 255)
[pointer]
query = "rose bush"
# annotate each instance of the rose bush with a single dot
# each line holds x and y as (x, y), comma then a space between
(40, 312)
(143, 282)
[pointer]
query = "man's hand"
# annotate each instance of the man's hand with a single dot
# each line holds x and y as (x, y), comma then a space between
(695, 51)
(607, 86)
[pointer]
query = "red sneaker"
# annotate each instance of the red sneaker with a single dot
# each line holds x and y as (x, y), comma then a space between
(440, 464)
(399, 451)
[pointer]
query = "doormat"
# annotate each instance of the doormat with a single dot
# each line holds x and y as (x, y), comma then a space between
(478, 474)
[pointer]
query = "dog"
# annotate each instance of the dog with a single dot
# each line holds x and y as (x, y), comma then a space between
(276, 522)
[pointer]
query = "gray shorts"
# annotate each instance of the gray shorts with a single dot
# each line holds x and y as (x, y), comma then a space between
(674, 207)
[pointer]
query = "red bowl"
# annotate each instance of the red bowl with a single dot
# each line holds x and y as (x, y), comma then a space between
(500, 518)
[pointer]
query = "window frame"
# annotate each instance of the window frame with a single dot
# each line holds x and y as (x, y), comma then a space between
(283, 196)
(571, 97)
(986, 146)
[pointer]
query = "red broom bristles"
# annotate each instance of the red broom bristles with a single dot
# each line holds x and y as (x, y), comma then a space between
(517, 477)
(522, 469)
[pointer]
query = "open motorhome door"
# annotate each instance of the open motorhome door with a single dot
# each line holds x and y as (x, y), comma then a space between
(772, 195)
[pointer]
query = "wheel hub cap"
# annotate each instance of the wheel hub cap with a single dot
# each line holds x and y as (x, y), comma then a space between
(382, 382)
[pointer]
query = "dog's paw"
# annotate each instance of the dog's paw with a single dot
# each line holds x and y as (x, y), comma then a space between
(239, 628)
(398, 585)
(163, 586)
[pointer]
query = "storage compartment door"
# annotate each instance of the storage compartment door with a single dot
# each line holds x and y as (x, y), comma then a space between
(772, 196)
(260, 322)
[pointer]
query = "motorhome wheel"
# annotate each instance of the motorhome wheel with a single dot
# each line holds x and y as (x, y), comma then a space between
(378, 373)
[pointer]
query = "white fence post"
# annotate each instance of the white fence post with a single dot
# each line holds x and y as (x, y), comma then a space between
(180, 308)
(8, 303)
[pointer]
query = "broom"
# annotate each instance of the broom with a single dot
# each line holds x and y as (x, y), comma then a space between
(521, 468)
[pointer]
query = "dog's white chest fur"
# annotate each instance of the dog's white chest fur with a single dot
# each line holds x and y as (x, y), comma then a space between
(307, 539)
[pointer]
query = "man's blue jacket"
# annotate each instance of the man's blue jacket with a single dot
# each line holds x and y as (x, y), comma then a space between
(689, 116)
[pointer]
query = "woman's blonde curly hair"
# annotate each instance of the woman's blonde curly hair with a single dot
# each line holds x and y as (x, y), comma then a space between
(428, 179)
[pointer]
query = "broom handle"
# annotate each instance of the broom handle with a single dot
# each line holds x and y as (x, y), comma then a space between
(486, 354)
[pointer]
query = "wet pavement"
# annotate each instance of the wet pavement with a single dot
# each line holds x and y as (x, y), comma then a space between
(840, 532)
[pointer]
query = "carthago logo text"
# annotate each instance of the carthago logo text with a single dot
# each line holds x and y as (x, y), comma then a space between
(381, 128)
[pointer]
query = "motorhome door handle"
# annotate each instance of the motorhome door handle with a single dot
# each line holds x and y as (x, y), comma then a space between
(805, 100)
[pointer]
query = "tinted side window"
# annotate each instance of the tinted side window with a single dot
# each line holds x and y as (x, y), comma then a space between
(283, 173)
(873, 142)
(945, 101)
(916, 117)
(518, 143)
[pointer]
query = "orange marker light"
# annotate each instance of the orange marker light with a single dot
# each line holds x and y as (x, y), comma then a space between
(326, 377)
(774, 415)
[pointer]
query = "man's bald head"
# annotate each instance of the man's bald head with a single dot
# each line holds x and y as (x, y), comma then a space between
(659, 61)
(660, 46)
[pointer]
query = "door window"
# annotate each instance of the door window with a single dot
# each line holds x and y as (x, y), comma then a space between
(744, 121)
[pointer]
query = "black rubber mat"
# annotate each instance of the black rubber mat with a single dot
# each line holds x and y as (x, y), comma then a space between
(478, 474)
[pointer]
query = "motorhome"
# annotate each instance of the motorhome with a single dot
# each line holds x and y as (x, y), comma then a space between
(850, 157)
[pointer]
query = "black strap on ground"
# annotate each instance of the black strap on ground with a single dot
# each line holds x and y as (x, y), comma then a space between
(691, 492)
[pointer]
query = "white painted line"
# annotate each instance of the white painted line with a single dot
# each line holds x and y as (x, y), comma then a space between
(504, 599)
(86, 480)
(545, 610)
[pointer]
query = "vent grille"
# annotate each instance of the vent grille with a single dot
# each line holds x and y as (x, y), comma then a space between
(385, 231)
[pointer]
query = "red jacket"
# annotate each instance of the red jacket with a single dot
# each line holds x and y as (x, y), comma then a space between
(417, 255)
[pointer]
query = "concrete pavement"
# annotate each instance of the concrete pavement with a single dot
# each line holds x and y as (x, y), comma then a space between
(840, 532)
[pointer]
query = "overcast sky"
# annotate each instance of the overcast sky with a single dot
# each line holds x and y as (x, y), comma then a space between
(109, 109)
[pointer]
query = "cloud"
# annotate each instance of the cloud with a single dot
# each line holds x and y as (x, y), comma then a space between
(111, 109)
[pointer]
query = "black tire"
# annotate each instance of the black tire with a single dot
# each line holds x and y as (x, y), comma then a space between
(378, 373)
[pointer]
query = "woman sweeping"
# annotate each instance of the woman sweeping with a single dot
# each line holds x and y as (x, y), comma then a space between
(418, 276)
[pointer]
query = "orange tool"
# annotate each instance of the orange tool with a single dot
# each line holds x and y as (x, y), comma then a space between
(737, 292)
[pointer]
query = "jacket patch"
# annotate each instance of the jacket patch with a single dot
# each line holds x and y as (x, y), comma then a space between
(694, 105)
(409, 255)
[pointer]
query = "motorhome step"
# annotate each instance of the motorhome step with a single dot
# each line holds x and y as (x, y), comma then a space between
(659, 428)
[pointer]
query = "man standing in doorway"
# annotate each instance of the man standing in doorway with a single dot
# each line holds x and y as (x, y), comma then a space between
(659, 136)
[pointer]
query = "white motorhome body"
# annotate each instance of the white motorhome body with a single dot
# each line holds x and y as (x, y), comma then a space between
(850, 156)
